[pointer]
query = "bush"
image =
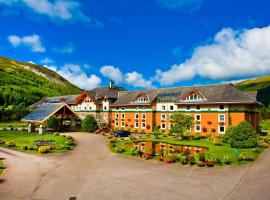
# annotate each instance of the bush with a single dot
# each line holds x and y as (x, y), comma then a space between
(53, 122)
(119, 149)
(257, 150)
(200, 164)
(11, 143)
(217, 141)
(170, 158)
(25, 147)
(246, 156)
(209, 163)
(113, 140)
(227, 159)
(262, 143)
(202, 157)
(70, 142)
(56, 133)
(147, 156)
(216, 161)
(68, 148)
(140, 153)
(2, 141)
(89, 124)
(241, 136)
(134, 152)
(43, 149)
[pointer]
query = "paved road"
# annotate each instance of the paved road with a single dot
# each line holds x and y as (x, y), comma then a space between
(92, 172)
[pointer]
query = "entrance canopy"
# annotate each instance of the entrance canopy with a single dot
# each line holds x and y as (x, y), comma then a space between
(47, 110)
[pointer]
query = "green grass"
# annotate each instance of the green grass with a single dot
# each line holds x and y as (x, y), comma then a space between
(1, 167)
(23, 138)
(213, 150)
(265, 124)
(13, 124)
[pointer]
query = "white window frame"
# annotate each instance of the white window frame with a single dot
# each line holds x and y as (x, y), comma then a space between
(161, 116)
(163, 107)
(116, 123)
(196, 117)
(219, 129)
(136, 114)
(143, 125)
(122, 123)
(219, 117)
(162, 127)
(144, 116)
(171, 107)
(116, 115)
(135, 124)
(123, 115)
(195, 128)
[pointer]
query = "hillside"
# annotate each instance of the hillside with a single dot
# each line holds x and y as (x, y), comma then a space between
(25, 82)
(261, 84)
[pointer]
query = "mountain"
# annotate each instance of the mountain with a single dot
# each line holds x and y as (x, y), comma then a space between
(27, 83)
(261, 84)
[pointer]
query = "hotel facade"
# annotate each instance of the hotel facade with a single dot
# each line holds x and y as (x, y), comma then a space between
(213, 108)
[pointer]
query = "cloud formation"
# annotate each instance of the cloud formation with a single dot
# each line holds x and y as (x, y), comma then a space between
(134, 78)
(31, 41)
(232, 54)
(58, 10)
(185, 6)
(74, 74)
(67, 49)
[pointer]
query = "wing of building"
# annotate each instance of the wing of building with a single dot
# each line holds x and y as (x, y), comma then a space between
(213, 107)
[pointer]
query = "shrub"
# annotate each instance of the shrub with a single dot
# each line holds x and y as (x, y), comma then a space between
(227, 159)
(197, 136)
(25, 147)
(170, 158)
(119, 149)
(217, 141)
(200, 164)
(113, 140)
(216, 161)
(262, 143)
(246, 156)
(209, 163)
(2, 141)
(257, 150)
(147, 156)
(241, 136)
(68, 148)
(70, 142)
(43, 149)
(11, 143)
(202, 157)
(140, 153)
(56, 133)
(89, 124)
(134, 152)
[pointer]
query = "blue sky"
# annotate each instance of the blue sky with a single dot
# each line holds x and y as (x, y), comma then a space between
(140, 43)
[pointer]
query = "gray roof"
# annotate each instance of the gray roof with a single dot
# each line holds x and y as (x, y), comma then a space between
(219, 93)
(43, 112)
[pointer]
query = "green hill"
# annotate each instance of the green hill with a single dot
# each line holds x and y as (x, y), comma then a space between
(261, 84)
(28, 83)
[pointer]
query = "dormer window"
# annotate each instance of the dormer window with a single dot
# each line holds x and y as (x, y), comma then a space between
(193, 97)
(141, 99)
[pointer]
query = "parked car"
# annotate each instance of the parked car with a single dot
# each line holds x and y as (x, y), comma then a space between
(121, 134)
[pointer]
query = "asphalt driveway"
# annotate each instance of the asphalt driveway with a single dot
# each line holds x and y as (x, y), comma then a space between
(91, 171)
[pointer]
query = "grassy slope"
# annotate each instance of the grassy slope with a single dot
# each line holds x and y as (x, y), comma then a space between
(18, 84)
(26, 139)
(261, 84)
(213, 150)
(13, 124)
(265, 124)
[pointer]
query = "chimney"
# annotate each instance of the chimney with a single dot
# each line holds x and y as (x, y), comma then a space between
(111, 84)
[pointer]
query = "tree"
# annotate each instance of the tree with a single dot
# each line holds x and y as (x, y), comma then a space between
(89, 124)
(181, 123)
(241, 136)
(156, 131)
(53, 122)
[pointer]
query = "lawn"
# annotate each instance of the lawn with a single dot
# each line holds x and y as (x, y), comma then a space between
(13, 124)
(265, 124)
(23, 139)
(213, 150)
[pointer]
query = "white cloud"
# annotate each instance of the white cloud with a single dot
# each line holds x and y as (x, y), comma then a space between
(32, 41)
(46, 61)
(134, 78)
(67, 49)
(232, 54)
(112, 73)
(75, 75)
(186, 6)
(63, 10)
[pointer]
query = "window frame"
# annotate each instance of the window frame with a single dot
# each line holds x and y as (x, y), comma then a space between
(219, 126)
(196, 117)
(195, 128)
(161, 118)
(223, 117)
(164, 125)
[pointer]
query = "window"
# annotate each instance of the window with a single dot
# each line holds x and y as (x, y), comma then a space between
(193, 97)
(171, 107)
(122, 123)
(136, 125)
(85, 108)
(90, 108)
(163, 116)
(163, 107)
(123, 116)
(136, 116)
(116, 115)
(188, 107)
(105, 107)
(79, 108)
(141, 99)
(221, 129)
(143, 147)
(163, 126)
(116, 123)
(143, 125)
(198, 107)
(221, 107)
(221, 118)
(143, 116)
(197, 128)
(123, 108)
(197, 117)
(137, 108)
